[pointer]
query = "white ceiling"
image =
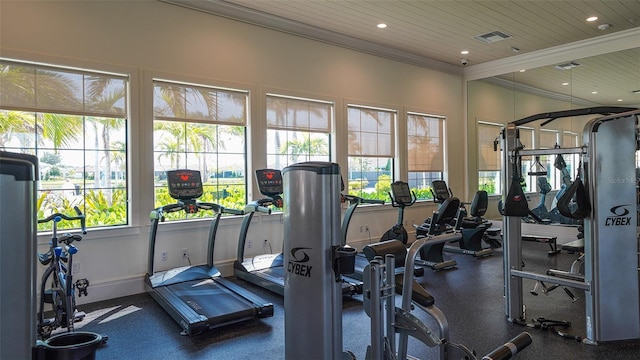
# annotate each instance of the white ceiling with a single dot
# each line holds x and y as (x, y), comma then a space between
(432, 33)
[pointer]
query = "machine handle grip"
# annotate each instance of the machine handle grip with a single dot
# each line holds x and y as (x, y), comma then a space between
(372, 201)
(83, 223)
(510, 348)
(233, 211)
(58, 216)
(263, 209)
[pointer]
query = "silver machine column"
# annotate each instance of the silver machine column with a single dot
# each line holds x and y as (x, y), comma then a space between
(611, 243)
(18, 229)
(312, 290)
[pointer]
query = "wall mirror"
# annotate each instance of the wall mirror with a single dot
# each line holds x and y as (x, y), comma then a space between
(611, 79)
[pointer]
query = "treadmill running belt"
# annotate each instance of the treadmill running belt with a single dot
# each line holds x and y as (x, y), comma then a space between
(212, 300)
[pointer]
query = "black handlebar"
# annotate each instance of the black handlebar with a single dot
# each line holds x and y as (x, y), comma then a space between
(80, 216)
(159, 212)
(233, 211)
(354, 198)
(510, 348)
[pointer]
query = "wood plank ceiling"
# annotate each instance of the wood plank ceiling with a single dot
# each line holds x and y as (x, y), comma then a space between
(433, 33)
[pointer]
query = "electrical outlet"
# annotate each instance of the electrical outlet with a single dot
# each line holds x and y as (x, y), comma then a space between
(366, 228)
(185, 253)
(249, 244)
(76, 268)
(163, 256)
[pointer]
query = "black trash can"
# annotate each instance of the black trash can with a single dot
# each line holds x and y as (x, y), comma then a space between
(77, 345)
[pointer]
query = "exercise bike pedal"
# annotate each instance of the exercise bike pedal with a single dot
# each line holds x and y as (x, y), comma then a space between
(48, 296)
(79, 316)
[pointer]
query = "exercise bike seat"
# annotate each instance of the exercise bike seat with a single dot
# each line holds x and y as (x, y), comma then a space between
(418, 294)
(395, 247)
(576, 246)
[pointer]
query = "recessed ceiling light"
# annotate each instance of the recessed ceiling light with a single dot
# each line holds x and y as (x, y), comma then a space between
(565, 83)
(619, 100)
(594, 92)
(592, 18)
(567, 66)
(381, 26)
(464, 52)
(523, 70)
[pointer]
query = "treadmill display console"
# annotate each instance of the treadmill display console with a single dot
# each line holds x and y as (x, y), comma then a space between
(269, 181)
(184, 184)
(401, 192)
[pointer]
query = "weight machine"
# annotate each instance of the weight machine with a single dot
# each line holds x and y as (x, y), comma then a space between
(612, 295)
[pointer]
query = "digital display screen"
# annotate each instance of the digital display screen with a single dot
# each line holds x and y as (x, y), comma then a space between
(184, 184)
(440, 189)
(401, 192)
(269, 181)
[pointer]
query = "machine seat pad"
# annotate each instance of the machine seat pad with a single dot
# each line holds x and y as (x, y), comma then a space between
(394, 247)
(574, 246)
(419, 295)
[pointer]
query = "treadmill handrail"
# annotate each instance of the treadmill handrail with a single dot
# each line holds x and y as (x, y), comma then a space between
(359, 200)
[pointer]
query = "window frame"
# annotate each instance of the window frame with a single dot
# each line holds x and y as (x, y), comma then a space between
(312, 133)
(422, 193)
(389, 159)
(86, 74)
(214, 89)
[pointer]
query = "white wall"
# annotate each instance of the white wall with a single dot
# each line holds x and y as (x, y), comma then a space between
(147, 38)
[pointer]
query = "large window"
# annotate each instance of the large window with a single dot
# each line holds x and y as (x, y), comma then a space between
(489, 160)
(570, 140)
(549, 140)
(75, 122)
(527, 139)
(425, 141)
(201, 128)
(371, 151)
(297, 130)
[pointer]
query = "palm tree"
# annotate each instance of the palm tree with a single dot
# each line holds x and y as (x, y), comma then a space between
(305, 146)
(104, 94)
(13, 123)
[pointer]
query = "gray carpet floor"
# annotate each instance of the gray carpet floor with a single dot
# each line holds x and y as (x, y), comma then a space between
(471, 296)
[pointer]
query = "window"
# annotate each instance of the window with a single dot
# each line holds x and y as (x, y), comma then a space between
(297, 130)
(75, 122)
(371, 151)
(489, 160)
(549, 140)
(569, 140)
(200, 128)
(527, 139)
(425, 141)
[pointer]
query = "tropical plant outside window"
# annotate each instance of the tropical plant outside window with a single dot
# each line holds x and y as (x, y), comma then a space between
(298, 130)
(75, 122)
(201, 128)
(425, 135)
(489, 160)
(371, 151)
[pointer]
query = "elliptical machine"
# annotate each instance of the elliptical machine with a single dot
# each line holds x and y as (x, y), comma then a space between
(401, 197)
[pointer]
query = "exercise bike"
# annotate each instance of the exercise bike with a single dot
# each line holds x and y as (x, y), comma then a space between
(58, 274)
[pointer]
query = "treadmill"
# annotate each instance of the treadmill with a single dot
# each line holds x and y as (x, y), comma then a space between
(267, 270)
(197, 297)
